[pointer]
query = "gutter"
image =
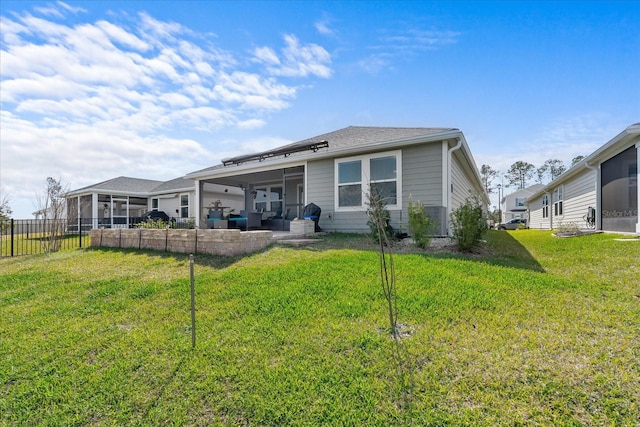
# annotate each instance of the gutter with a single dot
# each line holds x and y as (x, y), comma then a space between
(449, 183)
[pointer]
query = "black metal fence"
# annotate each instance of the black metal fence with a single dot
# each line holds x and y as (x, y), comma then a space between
(37, 236)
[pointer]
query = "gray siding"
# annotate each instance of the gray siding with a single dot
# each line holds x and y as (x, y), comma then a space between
(422, 174)
(462, 184)
(421, 179)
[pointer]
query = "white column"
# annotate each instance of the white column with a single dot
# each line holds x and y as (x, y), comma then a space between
(197, 202)
(94, 210)
(638, 187)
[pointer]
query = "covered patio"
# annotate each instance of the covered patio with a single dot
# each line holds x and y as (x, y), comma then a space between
(272, 198)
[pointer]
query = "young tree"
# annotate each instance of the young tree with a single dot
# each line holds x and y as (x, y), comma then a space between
(52, 205)
(5, 209)
(576, 160)
(519, 174)
(487, 174)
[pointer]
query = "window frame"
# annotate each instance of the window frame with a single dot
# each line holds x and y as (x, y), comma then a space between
(558, 199)
(365, 181)
(184, 214)
(545, 206)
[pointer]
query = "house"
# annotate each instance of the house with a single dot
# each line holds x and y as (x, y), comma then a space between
(514, 205)
(121, 201)
(334, 171)
(604, 185)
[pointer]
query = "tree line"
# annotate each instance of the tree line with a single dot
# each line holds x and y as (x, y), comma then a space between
(521, 173)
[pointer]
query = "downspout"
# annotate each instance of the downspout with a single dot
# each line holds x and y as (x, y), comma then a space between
(449, 183)
(598, 194)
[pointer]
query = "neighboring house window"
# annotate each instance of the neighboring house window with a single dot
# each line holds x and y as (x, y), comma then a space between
(557, 201)
(545, 206)
(154, 204)
(379, 172)
(184, 206)
(520, 202)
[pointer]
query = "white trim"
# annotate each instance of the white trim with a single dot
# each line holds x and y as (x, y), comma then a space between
(365, 176)
(638, 184)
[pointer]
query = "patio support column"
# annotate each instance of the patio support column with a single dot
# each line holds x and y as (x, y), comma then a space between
(638, 187)
(94, 210)
(198, 203)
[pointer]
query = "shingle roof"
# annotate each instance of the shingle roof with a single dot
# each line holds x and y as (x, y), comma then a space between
(123, 184)
(354, 136)
(174, 184)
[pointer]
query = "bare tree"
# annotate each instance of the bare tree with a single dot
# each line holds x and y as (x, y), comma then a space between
(519, 174)
(487, 174)
(51, 204)
(5, 209)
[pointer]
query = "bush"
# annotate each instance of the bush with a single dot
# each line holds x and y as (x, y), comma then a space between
(420, 225)
(469, 223)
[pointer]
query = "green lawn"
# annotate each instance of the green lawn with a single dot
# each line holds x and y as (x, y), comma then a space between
(531, 330)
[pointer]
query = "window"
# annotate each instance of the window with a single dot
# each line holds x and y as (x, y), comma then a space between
(154, 204)
(376, 172)
(545, 206)
(520, 202)
(268, 199)
(557, 201)
(184, 206)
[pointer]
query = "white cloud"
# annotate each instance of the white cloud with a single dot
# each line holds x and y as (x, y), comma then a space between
(401, 43)
(323, 26)
(88, 101)
(298, 60)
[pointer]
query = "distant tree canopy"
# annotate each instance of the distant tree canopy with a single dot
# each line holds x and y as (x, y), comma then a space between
(551, 168)
(487, 174)
(576, 160)
(519, 174)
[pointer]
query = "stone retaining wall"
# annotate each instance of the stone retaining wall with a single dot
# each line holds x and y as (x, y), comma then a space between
(214, 242)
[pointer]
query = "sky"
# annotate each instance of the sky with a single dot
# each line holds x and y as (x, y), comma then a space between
(90, 90)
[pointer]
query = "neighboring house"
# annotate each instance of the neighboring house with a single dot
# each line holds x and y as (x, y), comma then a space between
(606, 180)
(334, 171)
(120, 202)
(514, 205)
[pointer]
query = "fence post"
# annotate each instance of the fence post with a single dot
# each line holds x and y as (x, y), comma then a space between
(11, 236)
(80, 232)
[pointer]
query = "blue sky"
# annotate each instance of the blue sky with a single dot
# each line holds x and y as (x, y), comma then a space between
(94, 90)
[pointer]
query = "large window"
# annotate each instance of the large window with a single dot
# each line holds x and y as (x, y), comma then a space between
(545, 206)
(520, 202)
(356, 176)
(557, 201)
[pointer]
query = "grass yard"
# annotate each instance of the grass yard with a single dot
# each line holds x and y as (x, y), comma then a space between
(532, 330)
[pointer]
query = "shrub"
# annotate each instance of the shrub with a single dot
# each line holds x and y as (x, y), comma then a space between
(420, 225)
(469, 224)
